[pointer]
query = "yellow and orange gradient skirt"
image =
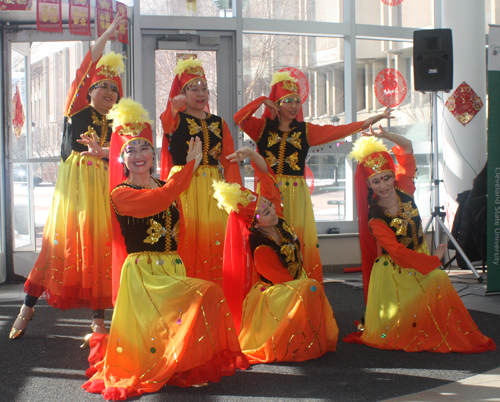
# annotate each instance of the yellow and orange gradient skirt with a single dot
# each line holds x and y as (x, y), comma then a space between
(413, 312)
(74, 265)
(166, 329)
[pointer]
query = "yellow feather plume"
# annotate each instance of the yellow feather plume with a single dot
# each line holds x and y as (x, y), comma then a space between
(128, 111)
(184, 64)
(282, 76)
(114, 61)
(366, 146)
(228, 195)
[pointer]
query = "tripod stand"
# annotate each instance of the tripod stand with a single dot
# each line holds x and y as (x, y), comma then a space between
(438, 214)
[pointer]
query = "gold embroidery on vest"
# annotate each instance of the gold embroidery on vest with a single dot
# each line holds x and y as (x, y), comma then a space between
(214, 128)
(194, 128)
(155, 232)
(216, 151)
(292, 160)
(295, 140)
(271, 159)
(273, 138)
(401, 226)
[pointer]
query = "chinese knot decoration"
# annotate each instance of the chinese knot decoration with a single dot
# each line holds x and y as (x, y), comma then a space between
(464, 103)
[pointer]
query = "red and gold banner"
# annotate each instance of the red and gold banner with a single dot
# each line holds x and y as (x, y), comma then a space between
(123, 28)
(18, 112)
(48, 16)
(104, 15)
(79, 17)
(19, 5)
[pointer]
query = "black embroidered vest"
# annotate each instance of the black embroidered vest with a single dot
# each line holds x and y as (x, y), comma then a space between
(86, 121)
(285, 152)
(406, 224)
(209, 131)
(288, 249)
(155, 233)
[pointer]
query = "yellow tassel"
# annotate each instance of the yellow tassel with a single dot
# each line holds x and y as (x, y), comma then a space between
(128, 111)
(366, 146)
(229, 195)
(282, 76)
(184, 64)
(114, 62)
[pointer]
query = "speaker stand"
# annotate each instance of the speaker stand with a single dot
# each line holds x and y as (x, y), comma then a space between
(438, 214)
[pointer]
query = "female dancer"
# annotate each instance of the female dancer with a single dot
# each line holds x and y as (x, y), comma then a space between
(167, 328)
(187, 117)
(285, 315)
(74, 265)
(283, 138)
(411, 303)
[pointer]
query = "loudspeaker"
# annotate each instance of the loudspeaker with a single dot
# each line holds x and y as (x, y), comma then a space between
(433, 60)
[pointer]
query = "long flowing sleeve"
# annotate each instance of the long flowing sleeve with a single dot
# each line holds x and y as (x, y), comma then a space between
(405, 170)
(402, 256)
(231, 170)
(317, 135)
(76, 99)
(252, 126)
(147, 202)
(268, 187)
(269, 265)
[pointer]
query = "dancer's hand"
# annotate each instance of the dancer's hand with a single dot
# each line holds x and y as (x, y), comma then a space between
(375, 119)
(440, 250)
(382, 133)
(195, 152)
(240, 155)
(271, 106)
(177, 103)
(94, 147)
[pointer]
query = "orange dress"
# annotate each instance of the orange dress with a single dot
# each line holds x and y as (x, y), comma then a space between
(286, 315)
(286, 153)
(167, 328)
(74, 265)
(411, 304)
(204, 222)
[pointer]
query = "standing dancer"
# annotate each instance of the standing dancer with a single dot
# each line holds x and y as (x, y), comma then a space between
(283, 138)
(186, 117)
(74, 265)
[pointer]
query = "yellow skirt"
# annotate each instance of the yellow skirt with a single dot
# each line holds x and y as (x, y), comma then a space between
(292, 321)
(74, 265)
(201, 248)
(166, 328)
(413, 312)
(299, 214)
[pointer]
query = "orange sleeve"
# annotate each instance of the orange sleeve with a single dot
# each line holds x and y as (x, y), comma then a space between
(317, 135)
(142, 203)
(168, 122)
(231, 170)
(269, 265)
(401, 255)
(252, 126)
(406, 170)
(268, 187)
(76, 99)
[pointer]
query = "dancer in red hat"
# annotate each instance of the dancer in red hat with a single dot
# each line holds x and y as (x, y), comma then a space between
(411, 304)
(279, 313)
(74, 265)
(283, 138)
(167, 328)
(187, 117)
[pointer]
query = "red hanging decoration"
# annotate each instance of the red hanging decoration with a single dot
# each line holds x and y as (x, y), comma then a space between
(390, 87)
(48, 16)
(104, 15)
(18, 119)
(79, 17)
(464, 104)
(123, 28)
(16, 5)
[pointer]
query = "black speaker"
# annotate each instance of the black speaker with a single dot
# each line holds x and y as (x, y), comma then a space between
(433, 60)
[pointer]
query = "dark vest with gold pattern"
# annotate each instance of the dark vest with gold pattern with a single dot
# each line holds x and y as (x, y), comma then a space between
(285, 152)
(157, 233)
(406, 224)
(86, 121)
(288, 249)
(209, 131)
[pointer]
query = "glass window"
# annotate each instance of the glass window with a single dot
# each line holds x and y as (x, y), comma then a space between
(398, 13)
(320, 60)
(304, 10)
(191, 8)
(385, 74)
